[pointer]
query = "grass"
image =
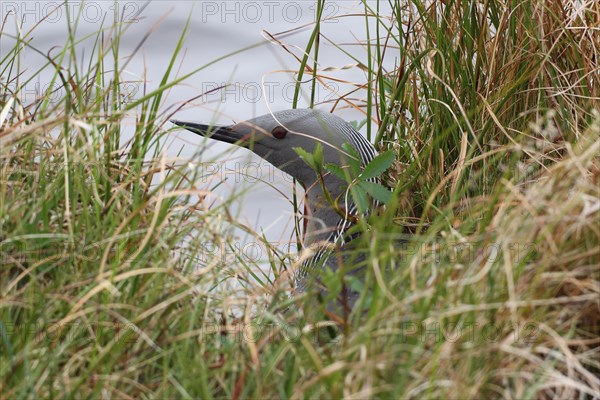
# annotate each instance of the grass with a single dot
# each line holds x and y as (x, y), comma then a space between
(106, 290)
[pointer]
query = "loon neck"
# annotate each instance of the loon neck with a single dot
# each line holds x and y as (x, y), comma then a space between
(323, 223)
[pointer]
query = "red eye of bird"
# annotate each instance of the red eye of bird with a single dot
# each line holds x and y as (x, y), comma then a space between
(279, 132)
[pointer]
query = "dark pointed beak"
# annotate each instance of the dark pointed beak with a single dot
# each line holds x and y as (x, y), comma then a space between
(221, 133)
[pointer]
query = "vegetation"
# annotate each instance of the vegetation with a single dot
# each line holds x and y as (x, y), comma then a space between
(106, 288)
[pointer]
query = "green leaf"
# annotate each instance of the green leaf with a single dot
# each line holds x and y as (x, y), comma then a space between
(332, 282)
(358, 285)
(306, 156)
(360, 198)
(378, 165)
(318, 156)
(353, 160)
(314, 160)
(355, 284)
(337, 171)
(377, 191)
(348, 148)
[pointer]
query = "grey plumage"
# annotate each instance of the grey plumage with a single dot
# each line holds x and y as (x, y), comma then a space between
(274, 137)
